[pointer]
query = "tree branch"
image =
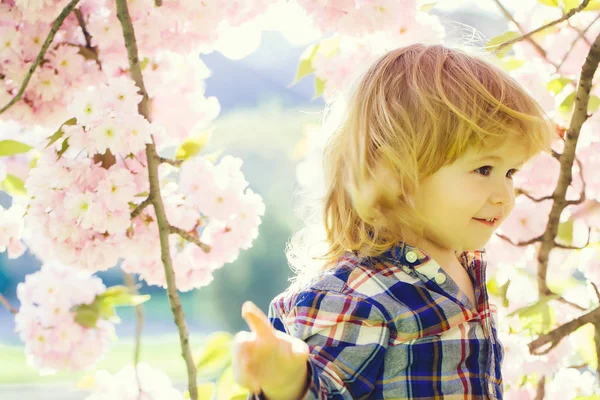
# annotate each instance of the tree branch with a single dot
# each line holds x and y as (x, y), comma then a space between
(580, 115)
(175, 163)
(519, 244)
(6, 304)
(554, 337)
(138, 210)
(157, 202)
(190, 238)
(528, 35)
(55, 26)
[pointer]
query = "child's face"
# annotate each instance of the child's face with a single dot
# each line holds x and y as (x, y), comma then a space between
(472, 187)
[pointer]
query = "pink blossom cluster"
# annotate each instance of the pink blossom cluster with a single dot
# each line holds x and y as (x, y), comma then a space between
(220, 209)
(11, 230)
(359, 17)
(108, 119)
(81, 211)
(24, 26)
(199, 22)
(354, 54)
(45, 321)
(172, 78)
(134, 383)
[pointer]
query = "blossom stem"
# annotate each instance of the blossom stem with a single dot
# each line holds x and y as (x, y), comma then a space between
(155, 196)
(190, 238)
(6, 304)
(138, 210)
(55, 26)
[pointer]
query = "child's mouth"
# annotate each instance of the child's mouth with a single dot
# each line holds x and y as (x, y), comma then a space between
(486, 222)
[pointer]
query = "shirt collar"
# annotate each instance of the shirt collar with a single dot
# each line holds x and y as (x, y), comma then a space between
(405, 254)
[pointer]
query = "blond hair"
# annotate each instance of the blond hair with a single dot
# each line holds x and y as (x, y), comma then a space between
(413, 111)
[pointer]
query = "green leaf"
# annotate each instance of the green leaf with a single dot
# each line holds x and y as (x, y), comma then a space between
(319, 87)
(59, 132)
(192, 146)
(428, 6)
(328, 47)
(511, 63)
(538, 318)
(13, 186)
(305, 67)
(12, 147)
(565, 232)
(551, 3)
(206, 391)
(227, 389)
(593, 103)
(499, 291)
(121, 296)
(567, 105)
(87, 315)
(64, 147)
(568, 5)
(215, 355)
(495, 42)
(557, 85)
(593, 5)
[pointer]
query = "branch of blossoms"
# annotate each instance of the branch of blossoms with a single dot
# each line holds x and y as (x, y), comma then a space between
(6, 304)
(55, 26)
(155, 195)
(554, 337)
(190, 238)
(528, 35)
(524, 243)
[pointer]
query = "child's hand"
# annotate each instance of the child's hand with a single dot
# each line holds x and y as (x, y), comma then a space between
(268, 359)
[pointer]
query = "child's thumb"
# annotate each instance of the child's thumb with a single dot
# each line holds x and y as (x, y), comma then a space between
(257, 320)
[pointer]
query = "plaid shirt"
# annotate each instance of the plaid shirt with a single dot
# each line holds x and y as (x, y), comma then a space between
(395, 327)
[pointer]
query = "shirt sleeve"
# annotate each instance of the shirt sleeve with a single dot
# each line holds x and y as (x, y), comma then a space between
(347, 336)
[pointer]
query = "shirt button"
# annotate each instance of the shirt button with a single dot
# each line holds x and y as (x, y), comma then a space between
(411, 256)
(440, 278)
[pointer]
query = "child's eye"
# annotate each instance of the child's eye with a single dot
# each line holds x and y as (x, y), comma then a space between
(486, 170)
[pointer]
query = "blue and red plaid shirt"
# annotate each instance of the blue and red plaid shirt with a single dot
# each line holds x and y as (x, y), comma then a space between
(395, 327)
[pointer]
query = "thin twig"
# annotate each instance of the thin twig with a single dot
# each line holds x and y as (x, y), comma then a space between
(190, 238)
(175, 163)
(88, 37)
(510, 17)
(528, 35)
(137, 211)
(6, 304)
(568, 247)
(519, 244)
(157, 201)
(139, 324)
(581, 35)
(55, 26)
